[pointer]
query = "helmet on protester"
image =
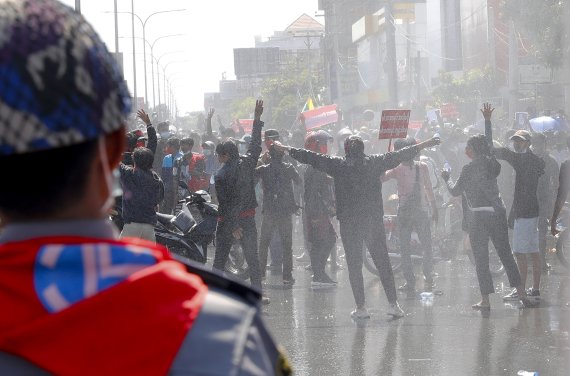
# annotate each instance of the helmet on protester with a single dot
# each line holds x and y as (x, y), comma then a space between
(317, 141)
(354, 146)
(344, 132)
(56, 89)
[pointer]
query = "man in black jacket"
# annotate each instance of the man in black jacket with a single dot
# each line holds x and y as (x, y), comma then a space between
(278, 206)
(142, 192)
(358, 193)
(235, 187)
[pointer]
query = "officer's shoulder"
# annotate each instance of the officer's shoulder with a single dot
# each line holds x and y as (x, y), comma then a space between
(217, 280)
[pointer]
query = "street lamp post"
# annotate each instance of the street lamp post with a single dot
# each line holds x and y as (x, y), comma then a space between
(163, 77)
(152, 63)
(143, 24)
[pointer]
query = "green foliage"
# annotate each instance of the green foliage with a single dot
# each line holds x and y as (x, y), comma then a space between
(544, 23)
(467, 89)
(284, 96)
(242, 108)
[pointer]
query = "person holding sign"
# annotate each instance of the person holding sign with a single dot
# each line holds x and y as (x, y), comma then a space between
(358, 194)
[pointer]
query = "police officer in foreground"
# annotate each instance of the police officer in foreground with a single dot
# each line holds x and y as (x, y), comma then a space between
(75, 299)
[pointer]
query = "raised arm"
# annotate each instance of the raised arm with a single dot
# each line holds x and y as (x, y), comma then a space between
(150, 131)
(487, 112)
(254, 149)
(388, 161)
(327, 164)
(500, 153)
(208, 122)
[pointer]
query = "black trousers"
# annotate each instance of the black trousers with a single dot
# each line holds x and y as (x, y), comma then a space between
(354, 231)
(482, 227)
(409, 221)
(283, 224)
(224, 241)
(321, 239)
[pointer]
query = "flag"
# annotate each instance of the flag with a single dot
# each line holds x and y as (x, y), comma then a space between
(308, 105)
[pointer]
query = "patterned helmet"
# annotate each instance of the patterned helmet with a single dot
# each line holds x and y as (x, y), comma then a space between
(59, 86)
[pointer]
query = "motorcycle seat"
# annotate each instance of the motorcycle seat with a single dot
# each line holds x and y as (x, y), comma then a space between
(164, 218)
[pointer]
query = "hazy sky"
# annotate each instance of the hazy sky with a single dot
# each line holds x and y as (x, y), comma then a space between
(212, 28)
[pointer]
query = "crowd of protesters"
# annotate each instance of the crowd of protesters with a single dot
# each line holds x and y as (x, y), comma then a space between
(305, 178)
(68, 275)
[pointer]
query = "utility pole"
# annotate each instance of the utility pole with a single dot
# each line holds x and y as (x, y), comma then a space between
(491, 39)
(78, 6)
(566, 59)
(335, 57)
(513, 70)
(308, 44)
(116, 28)
(391, 60)
(419, 78)
(134, 53)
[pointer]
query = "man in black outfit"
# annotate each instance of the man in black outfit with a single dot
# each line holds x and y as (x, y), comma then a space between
(358, 193)
(277, 178)
(235, 187)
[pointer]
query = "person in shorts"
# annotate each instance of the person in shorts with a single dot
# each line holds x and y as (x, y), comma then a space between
(524, 214)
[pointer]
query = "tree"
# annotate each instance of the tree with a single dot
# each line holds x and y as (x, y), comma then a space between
(466, 91)
(542, 23)
(284, 95)
(242, 108)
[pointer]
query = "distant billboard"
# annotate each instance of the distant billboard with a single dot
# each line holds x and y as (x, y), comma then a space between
(252, 62)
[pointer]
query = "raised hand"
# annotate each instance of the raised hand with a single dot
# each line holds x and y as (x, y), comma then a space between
(141, 114)
(211, 113)
(487, 111)
(258, 109)
(278, 146)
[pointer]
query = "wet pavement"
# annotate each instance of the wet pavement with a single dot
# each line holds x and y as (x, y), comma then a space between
(444, 336)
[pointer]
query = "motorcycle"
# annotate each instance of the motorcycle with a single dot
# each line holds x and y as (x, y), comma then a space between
(191, 230)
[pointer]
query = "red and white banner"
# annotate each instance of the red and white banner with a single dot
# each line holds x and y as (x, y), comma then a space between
(319, 117)
(449, 111)
(394, 124)
(246, 124)
(415, 124)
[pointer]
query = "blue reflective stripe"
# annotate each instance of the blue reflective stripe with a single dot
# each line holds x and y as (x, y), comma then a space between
(65, 274)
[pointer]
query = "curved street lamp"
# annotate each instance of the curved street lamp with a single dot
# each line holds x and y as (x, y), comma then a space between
(143, 24)
(152, 63)
(157, 61)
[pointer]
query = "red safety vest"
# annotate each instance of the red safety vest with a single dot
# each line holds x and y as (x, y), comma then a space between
(82, 306)
(201, 182)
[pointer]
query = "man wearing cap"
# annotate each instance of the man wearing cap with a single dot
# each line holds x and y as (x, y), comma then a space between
(524, 212)
(278, 205)
(76, 299)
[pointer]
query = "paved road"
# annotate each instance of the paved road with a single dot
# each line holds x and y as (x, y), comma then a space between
(443, 337)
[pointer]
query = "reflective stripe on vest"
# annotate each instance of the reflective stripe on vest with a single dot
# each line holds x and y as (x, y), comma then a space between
(228, 338)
